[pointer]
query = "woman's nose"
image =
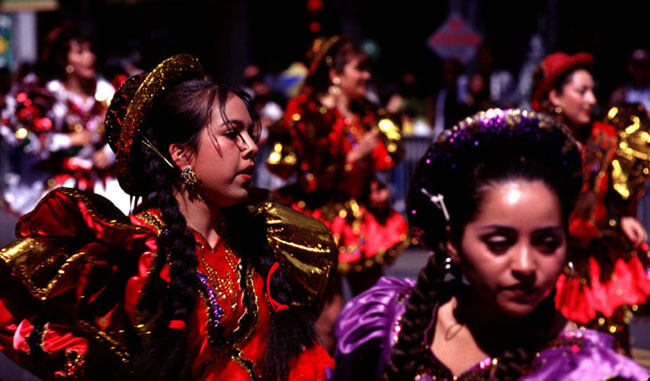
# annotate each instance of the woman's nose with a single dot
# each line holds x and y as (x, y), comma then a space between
(523, 262)
(250, 147)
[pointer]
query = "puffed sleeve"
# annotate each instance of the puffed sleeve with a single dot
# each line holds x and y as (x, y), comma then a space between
(304, 249)
(59, 279)
(365, 329)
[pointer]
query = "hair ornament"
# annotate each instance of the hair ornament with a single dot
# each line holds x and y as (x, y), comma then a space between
(150, 145)
(439, 201)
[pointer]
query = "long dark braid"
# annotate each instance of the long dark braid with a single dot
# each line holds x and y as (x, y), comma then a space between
(463, 178)
(179, 118)
(410, 350)
(176, 247)
(166, 357)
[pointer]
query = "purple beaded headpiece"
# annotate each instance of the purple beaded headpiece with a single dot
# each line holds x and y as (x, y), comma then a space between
(495, 138)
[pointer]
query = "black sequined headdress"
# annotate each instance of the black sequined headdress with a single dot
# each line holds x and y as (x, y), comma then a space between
(490, 137)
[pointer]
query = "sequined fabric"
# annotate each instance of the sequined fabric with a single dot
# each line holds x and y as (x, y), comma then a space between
(128, 126)
(313, 141)
(373, 317)
(73, 279)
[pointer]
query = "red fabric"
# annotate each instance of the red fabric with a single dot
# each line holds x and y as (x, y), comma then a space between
(61, 215)
(322, 139)
(311, 364)
(628, 285)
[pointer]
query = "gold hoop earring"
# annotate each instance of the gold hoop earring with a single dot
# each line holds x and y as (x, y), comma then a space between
(69, 69)
(558, 110)
(189, 177)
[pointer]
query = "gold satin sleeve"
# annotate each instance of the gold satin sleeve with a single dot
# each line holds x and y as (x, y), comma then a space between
(305, 250)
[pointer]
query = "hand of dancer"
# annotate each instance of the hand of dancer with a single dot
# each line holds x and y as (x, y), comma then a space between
(81, 138)
(634, 230)
(101, 160)
(367, 144)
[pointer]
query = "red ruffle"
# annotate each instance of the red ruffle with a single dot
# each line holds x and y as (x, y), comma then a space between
(311, 364)
(628, 285)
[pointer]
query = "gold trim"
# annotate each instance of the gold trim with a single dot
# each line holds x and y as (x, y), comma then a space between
(246, 364)
(382, 257)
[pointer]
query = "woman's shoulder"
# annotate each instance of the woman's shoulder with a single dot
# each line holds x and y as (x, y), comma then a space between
(302, 246)
(581, 354)
(372, 314)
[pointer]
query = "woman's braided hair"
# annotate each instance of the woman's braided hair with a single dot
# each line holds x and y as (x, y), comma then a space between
(491, 147)
(178, 117)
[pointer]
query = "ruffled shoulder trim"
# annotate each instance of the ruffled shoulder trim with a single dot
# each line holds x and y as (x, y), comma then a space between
(304, 249)
(372, 313)
(66, 228)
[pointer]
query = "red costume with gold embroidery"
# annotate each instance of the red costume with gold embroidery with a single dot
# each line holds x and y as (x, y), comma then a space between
(316, 142)
(611, 277)
(71, 284)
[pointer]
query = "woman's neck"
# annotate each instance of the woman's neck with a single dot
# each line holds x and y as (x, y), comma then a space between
(200, 216)
(467, 330)
(340, 102)
(495, 331)
(80, 86)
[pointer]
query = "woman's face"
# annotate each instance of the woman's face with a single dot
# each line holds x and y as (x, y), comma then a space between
(513, 252)
(81, 59)
(354, 78)
(224, 160)
(577, 98)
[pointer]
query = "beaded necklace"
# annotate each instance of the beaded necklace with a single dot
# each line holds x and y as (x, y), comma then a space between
(226, 287)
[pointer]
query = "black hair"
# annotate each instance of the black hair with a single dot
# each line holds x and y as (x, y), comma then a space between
(55, 54)
(337, 57)
(179, 118)
(461, 174)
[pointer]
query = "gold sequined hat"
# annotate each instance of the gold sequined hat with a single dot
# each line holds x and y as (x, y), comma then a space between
(320, 50)
(128, 111)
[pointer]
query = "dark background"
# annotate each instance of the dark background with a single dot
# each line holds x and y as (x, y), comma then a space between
(227, 35)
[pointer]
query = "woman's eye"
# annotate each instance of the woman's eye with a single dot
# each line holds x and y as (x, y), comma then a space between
(498, 244)
(547, 244)
(232, 134)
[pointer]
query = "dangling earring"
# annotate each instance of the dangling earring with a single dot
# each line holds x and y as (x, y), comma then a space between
(69, 69)
(189, 177)
(558, 110)
(571, 269)
(334, 88)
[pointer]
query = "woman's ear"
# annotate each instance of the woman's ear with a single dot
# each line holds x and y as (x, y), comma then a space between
(452, 252)
(554, 98)
(333, 74)
(181, 155)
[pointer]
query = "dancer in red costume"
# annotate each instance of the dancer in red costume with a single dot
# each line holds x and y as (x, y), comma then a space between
(610, 255)
(207, 279)
(336, 142)
(71, 150)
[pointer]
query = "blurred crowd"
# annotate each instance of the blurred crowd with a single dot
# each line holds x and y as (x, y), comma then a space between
(52, 111)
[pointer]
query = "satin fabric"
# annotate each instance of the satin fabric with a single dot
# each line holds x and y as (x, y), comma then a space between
(579, 354)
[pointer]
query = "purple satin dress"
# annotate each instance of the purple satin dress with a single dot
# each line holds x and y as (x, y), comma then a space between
(372, 320)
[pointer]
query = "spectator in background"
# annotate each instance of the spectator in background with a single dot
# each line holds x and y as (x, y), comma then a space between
(449, 108)
(500, 84)
(409, 105)
(637, 90)
(269, 111)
